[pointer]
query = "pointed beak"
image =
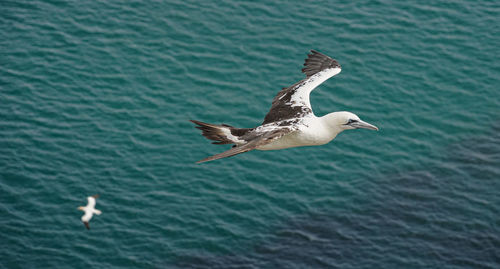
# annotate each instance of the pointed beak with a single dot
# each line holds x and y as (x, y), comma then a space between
(365, 125)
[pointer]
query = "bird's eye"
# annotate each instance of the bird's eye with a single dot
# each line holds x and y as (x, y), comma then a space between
(351, 121)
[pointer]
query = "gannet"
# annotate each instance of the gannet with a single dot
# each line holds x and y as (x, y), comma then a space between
(290, 121)
(89, 210)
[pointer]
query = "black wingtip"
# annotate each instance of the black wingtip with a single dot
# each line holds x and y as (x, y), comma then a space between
(317, 61)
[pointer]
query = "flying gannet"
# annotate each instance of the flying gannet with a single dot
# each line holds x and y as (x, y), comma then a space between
(290, 121)
(89, 210)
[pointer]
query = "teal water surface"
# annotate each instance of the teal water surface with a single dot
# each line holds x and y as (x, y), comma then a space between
(96, 96)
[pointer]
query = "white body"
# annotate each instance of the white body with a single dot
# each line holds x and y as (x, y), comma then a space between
(312, 131)
(89, 209)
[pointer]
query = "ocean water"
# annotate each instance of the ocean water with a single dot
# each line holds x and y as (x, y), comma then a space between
(96, 96)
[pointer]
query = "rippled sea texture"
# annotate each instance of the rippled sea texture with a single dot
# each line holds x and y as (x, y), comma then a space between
(96, 96)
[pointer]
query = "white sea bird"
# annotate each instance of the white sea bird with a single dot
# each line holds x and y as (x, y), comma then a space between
(290, 122)
(89, 210)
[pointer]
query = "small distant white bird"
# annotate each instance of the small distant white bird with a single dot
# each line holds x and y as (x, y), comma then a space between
(89, 210)
(291, 121)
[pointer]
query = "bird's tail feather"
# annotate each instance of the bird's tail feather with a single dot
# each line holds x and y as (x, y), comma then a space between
(221, 134)
(97, 211)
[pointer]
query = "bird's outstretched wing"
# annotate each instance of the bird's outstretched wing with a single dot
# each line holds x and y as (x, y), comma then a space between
(293, 102)
(263, 138)
(86, 225)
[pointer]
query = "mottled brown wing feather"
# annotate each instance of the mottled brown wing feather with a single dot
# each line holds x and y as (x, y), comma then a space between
(281, 108)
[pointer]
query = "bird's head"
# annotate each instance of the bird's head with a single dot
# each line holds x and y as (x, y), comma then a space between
(81, 208)
(346, 120)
